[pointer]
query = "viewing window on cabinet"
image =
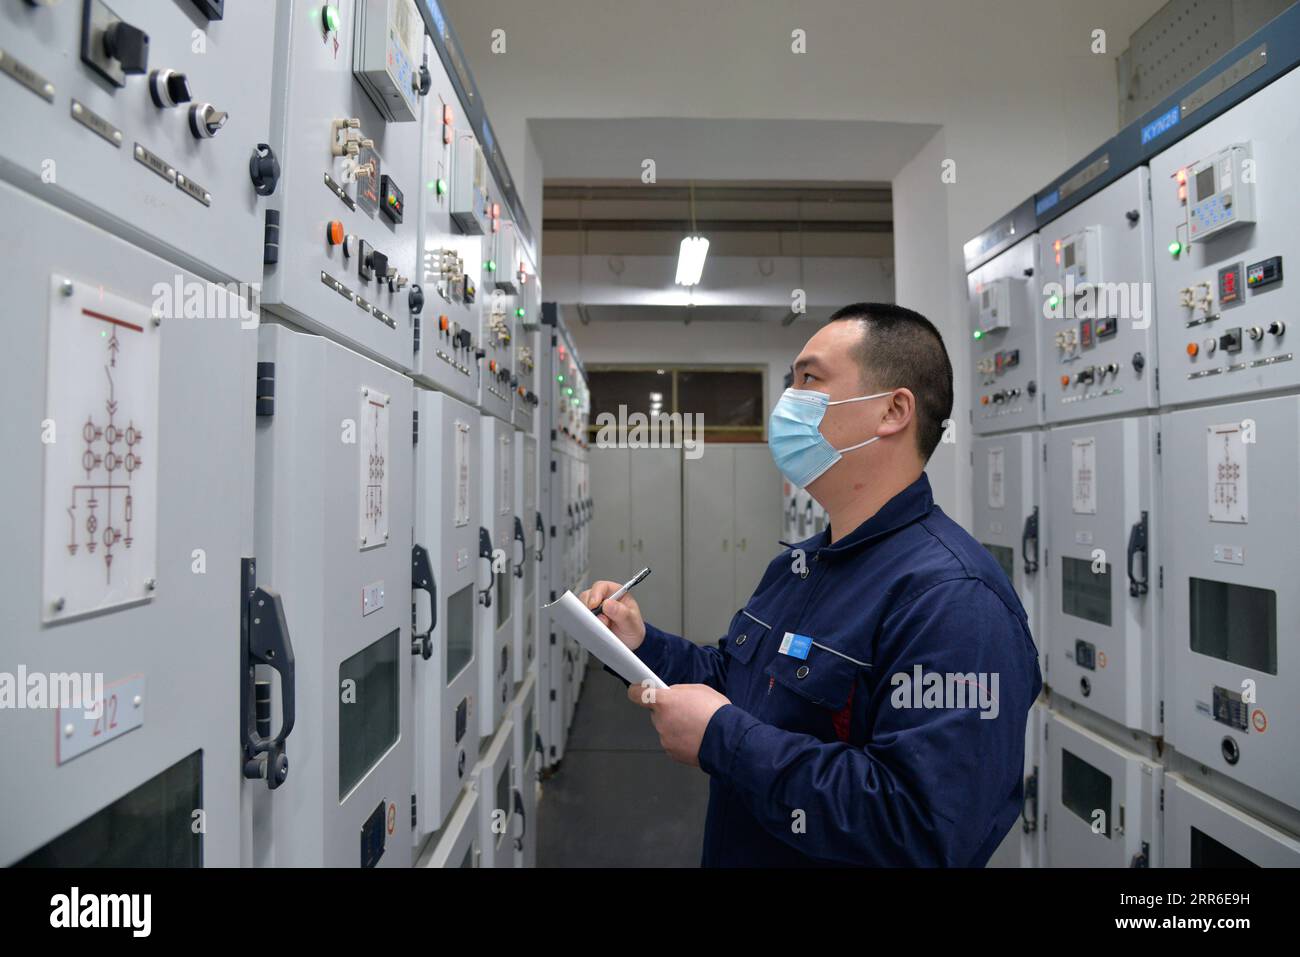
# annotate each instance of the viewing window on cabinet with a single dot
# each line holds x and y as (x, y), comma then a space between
(731, 399)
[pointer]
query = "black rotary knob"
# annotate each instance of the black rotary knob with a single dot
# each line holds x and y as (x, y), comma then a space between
(1139, 361)
(264, 170)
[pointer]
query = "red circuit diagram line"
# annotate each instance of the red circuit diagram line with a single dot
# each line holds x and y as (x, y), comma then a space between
(117, 322)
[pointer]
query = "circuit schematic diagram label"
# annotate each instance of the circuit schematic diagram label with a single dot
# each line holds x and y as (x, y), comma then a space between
(1225, 459)
(100, 546)
(374, 468)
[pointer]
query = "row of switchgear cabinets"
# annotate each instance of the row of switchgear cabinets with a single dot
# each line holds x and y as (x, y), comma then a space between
(1149, 527)
(311, 454)
(1165, 288)
(1092, 802)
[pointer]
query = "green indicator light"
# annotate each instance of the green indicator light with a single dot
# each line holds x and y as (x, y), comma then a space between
(559, 378)
(491, 265)
(442, 186)
(520, 313)
(569, 391)
(1053, 301)
(978, 334)
(1175, 248)
(331, 17)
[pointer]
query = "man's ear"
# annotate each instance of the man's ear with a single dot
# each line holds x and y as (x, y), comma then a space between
(899, 411)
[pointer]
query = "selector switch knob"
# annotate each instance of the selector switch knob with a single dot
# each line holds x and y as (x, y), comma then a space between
(129, 46)
(463, 339)
(1255, 333)
(1276, 327)
(1209, 345)
(206, 120)
(264, 170)
(1113, 368)
(168, 88)
(1139, 361)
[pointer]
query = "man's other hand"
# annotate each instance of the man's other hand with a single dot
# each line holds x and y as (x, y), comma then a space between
(680, 714)
(622, 617)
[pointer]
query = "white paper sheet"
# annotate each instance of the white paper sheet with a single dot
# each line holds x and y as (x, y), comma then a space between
(588, 630)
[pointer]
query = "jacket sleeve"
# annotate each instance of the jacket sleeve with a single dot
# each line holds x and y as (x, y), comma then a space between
(932, 785)
(678, 661)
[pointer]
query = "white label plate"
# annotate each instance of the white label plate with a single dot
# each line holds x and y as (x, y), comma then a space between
(78, 732)
(374, 468)
(1225, 462)
(101, 469)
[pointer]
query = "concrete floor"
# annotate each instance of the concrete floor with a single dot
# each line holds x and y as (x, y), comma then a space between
(617, 800)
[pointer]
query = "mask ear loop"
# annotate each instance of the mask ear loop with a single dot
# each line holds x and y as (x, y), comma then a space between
(861, 398)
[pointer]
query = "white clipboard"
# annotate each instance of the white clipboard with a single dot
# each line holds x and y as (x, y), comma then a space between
(590, 632)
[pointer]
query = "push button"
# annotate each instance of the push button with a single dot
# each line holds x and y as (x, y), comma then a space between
(802, 672)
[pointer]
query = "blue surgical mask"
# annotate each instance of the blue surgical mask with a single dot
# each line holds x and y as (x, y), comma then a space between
(795, 437)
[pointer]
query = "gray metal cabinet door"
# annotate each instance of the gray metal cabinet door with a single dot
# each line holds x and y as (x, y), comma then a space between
(611, 556)
(756, 510)
(1230, 650)
(656, 534)
(1102, 625)
(708, 526)
(1007, 519)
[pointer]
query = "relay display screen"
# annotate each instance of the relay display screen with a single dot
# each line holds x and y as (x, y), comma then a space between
(1205, 183)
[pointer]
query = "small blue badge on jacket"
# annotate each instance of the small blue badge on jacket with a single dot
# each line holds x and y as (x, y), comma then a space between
(796, 646)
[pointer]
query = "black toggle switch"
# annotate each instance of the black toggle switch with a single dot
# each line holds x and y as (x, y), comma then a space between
(415, 299)
(168, 88)
(129, 46)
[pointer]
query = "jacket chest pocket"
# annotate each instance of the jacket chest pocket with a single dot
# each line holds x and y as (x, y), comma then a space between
(812, 695)
(743, 638)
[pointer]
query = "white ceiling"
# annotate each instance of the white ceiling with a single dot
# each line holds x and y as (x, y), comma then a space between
(728, 149)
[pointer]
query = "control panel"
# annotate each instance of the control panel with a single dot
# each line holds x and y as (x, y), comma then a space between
(1224, 218)
(387, 55)
(1004, 351)
(148, 119)
(470, 206)
(1098, 342)
(340, 256)
(446, 350)
(1220, 192)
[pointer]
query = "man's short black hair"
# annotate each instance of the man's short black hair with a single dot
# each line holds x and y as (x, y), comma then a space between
(901, 349)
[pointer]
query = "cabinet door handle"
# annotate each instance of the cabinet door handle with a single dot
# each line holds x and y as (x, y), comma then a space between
(724, 544)
(744, 545)
(620, 544)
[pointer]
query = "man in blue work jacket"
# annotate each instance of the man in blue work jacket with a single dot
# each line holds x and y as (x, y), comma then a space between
(868, 704)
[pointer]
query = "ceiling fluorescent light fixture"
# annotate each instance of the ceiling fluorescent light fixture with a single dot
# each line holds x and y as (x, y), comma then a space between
(690, 261)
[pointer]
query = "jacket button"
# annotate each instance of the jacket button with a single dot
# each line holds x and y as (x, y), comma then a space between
(741, 640)
(803, 573)
(802, 672)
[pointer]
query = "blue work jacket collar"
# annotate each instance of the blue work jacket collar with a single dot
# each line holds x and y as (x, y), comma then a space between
(911, 504)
